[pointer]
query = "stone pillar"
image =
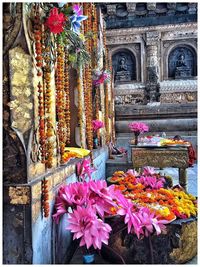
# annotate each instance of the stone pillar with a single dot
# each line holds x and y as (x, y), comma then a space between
(152, 93)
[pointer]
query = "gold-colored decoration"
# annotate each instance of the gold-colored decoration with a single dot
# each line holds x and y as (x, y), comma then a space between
(21, 103)
(60, 96)
(188, 240)
(81, 113)
(162, 157)
(19, 195)
(67, 97)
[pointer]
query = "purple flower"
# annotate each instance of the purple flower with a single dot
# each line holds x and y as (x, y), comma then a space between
(76, 19)
(77, 10)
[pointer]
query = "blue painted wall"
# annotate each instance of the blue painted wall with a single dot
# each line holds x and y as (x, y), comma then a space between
(51, 243)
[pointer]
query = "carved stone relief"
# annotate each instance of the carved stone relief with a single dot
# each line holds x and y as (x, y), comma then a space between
(21, 104)
(122, 39)
(178, 85)
(180, 98)
(157, 28)
(151, 6)
(159, 158)
(130, 99)
(131, 7)
(152, 38)
(111, 10)
(179, 35)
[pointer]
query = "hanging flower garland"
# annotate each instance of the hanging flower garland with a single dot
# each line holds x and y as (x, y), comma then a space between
(39, 63)
(61, 125)
(48, 106)
(88, 81)
(81, 113)
(67, 97)
(45, 198)
(94, 22)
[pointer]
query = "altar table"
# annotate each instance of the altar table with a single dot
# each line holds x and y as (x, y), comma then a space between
(162, 157)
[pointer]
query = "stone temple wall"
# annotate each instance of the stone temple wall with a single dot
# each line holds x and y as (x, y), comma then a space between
(162, 38)
(151, 47)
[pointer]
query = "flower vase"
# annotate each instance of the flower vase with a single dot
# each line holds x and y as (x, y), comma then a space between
(136, 138)
(88, 258)
(95, 142)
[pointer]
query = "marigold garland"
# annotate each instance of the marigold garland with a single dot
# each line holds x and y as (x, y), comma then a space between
(81, 114)
(61, 125)
(94, 23)
(45, 198)
(88, 81)
(67, 97)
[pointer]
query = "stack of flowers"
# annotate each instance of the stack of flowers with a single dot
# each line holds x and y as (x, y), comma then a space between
(149, 190)
(91, 202)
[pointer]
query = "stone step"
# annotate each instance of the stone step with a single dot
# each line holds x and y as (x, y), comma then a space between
(161, 125)
(141, 112)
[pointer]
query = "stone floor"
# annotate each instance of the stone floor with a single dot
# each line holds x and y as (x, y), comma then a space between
(192, 189)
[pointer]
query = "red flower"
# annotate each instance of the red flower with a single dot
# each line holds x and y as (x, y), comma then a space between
(55, 21)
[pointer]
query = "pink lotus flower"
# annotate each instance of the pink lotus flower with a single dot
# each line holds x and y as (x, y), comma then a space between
(55, 21)
(132, 172)
(84, 169)
(70, 196)
(151, 181)
(149, 222)
(131, 218)
(96, 124)
(84, 223)
(62, 202)
(101, 197)
(138, 127)
(148, 170)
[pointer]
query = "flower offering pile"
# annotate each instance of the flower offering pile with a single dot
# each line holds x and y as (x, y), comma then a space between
(150, 190)
(74, 152)
(171, 142)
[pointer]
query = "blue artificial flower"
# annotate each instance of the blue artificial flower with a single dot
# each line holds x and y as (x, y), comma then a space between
(76, 22)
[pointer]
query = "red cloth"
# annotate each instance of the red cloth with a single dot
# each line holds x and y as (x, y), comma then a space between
(192, 155)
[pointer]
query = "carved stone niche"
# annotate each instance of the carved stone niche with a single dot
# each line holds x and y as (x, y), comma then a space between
(124, 66)
(182, 63)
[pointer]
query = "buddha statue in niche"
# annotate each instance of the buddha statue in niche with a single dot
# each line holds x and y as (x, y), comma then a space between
(182, 70)
(122, 73)
(181, 61)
